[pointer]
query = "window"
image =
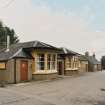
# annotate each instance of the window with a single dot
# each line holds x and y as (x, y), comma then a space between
(51, 61)
(40, 61)
(69, 62)
(72, 62)
(75, 61)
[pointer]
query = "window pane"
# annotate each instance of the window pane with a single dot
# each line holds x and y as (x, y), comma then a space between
(51, 58)
(48, 61)
(53, 65)
(40, 61)
(48, 65)
(41, 65)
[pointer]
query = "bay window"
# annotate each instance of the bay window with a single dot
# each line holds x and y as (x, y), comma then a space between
(46, 61)
(51, 61)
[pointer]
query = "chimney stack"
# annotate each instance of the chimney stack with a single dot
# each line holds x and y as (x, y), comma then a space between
(87, 54)
(8, 43)
(94, 55)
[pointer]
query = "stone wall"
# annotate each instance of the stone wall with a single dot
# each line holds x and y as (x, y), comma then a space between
(83, 67)
(44, 76)
(71, 72)
(10, 71)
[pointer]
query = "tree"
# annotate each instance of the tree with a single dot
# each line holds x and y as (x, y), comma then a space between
(4, 31)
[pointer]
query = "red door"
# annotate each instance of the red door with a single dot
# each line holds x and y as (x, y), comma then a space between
(24, 71)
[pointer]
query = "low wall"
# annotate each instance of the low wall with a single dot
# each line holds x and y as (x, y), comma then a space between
(71, 72)
(44, 76)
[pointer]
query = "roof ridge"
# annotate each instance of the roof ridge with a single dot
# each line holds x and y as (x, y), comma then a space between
(65, 50)
(16, 53)
(46, 44)
(35, 43)
(28, 41)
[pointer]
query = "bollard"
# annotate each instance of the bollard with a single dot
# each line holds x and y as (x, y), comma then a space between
(2, 84)
(2, 78)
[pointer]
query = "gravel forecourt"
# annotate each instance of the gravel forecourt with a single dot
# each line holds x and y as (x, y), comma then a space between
(86, 89)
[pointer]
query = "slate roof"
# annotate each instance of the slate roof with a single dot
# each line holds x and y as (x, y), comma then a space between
(17, 50)
(82, 58)
(93, 60)
(66, 51)
(34, 44)
(13, 52)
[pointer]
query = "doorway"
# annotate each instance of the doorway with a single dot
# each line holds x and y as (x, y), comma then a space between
(24, 70)
(60, 68)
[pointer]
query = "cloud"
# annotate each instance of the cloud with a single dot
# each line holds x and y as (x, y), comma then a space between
(39, 22)
(29, 20)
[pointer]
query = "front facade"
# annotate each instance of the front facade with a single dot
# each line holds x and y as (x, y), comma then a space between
(69, 62)
(39, 61)
(71, 65)
(28, 61)
(18, 70)
(83, 64)
(94, 67)
(44, 65)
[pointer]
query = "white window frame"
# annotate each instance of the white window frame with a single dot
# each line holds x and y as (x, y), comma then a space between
(51, 62)
(38, 61)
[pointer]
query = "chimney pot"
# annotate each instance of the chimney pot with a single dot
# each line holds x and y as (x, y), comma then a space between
(87, 54)
(94, 55)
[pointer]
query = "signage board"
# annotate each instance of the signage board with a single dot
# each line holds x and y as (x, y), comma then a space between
(2, 65)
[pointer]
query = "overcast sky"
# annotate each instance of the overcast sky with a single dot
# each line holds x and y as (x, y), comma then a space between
(76, 24)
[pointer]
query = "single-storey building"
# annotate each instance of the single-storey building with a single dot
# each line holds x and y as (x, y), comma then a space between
(93, 63)
(83, 64)
(28, 61)
(68, 62)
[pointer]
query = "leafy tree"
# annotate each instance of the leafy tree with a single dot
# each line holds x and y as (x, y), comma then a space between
(4, 31)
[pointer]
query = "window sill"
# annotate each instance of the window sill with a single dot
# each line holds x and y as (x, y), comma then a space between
(71, 69)
(45, 72)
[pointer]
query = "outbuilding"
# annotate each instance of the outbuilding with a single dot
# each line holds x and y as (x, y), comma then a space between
(15, 65)
(94, 64)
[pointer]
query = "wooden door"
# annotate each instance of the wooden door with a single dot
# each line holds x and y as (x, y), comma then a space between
(60, 68)
(24, 71)
(86, 67)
